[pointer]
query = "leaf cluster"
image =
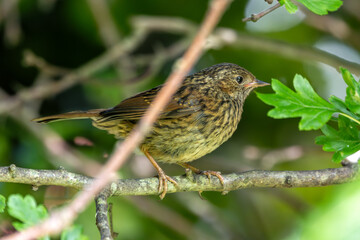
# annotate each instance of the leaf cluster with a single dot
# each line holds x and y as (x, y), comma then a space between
(315, 112)
(29, 213)
(319, 7)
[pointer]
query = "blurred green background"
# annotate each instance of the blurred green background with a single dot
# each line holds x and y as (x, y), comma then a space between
(60, 37)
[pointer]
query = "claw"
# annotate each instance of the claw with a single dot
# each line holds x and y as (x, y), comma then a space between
(163, 185)
(207, 173)
(163, 178)
(213, 173)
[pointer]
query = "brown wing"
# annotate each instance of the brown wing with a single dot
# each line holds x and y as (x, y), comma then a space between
(133, 108)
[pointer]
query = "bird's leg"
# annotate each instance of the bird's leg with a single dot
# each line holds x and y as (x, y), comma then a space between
(163, 178)
(207, 173)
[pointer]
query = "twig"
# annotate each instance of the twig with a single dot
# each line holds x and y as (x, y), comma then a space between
(146, 24)
(110, 211)
(335, 26)
(352, 8)
(62, 218)
(256, 17)
(32, 60)
(142, 26)
(106, 26)
(228, 37)
(12, 29)
(157, 60)
(102, 221)
(168, 217)
(148, 186)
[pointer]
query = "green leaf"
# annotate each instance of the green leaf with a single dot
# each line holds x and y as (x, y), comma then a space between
(341, 106)
(73, 233)
(321, 7)
(305, 103)
(25, 210)
(344, 141)
(352, 99)
(290, 6)
(2, 203)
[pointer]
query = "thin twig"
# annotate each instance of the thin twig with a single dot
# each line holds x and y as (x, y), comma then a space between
(228, 37)
(30, 59)
(62, 218)
(102, 221)
(105, 24)
(256, 17)
(111, 219)
(142, 26)
(167, 216)
(330, 24)
(146, 24)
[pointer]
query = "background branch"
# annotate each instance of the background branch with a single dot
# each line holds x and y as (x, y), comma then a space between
(102, 221)
(257, 16)
(143, 25)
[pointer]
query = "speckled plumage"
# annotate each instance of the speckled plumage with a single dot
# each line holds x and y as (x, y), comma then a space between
(202, 114)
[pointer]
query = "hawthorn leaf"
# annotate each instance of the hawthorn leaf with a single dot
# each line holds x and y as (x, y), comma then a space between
(305, 103)
(73, 233)
(26, 210)
(2, 203)
(290, 6)
(352, 99)
(342, 108)
(344, 141)
(321, 7)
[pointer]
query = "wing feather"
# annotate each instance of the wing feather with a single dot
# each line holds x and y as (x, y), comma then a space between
(133, 108)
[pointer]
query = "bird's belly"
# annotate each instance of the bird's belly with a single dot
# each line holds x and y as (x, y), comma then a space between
(181, 140)
(174, 141)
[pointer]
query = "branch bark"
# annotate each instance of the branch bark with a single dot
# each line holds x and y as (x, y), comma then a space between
(148, 186)
(102, 221)
(255, 17)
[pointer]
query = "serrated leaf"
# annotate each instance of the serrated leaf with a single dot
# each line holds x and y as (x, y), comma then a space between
(321, 7)
(290, 6)
(25, 210)
(352, 99)
(344, 141)
(2, 203)
(73, 233)
(342, 108)
(305, 103)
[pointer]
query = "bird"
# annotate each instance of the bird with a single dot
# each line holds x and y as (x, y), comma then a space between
(202, 114)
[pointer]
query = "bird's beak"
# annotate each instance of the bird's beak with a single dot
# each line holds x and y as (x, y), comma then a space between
(257, 83)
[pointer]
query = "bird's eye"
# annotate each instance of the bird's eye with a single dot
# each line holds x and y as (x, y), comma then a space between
(239, 79)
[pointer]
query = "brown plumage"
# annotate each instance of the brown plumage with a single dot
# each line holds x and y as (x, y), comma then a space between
(202, 114)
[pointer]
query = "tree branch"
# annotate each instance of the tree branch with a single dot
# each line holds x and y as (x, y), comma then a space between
(229, 37)
(142, 27)
(102, 221)
(256, 17)
(145, 24)
(149, 186)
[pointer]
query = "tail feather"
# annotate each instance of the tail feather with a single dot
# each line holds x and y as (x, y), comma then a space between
(69, 115)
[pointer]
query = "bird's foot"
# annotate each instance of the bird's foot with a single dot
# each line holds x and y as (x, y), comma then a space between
(163, 178)
(207, 173)
(163, 185)
(213, 173)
